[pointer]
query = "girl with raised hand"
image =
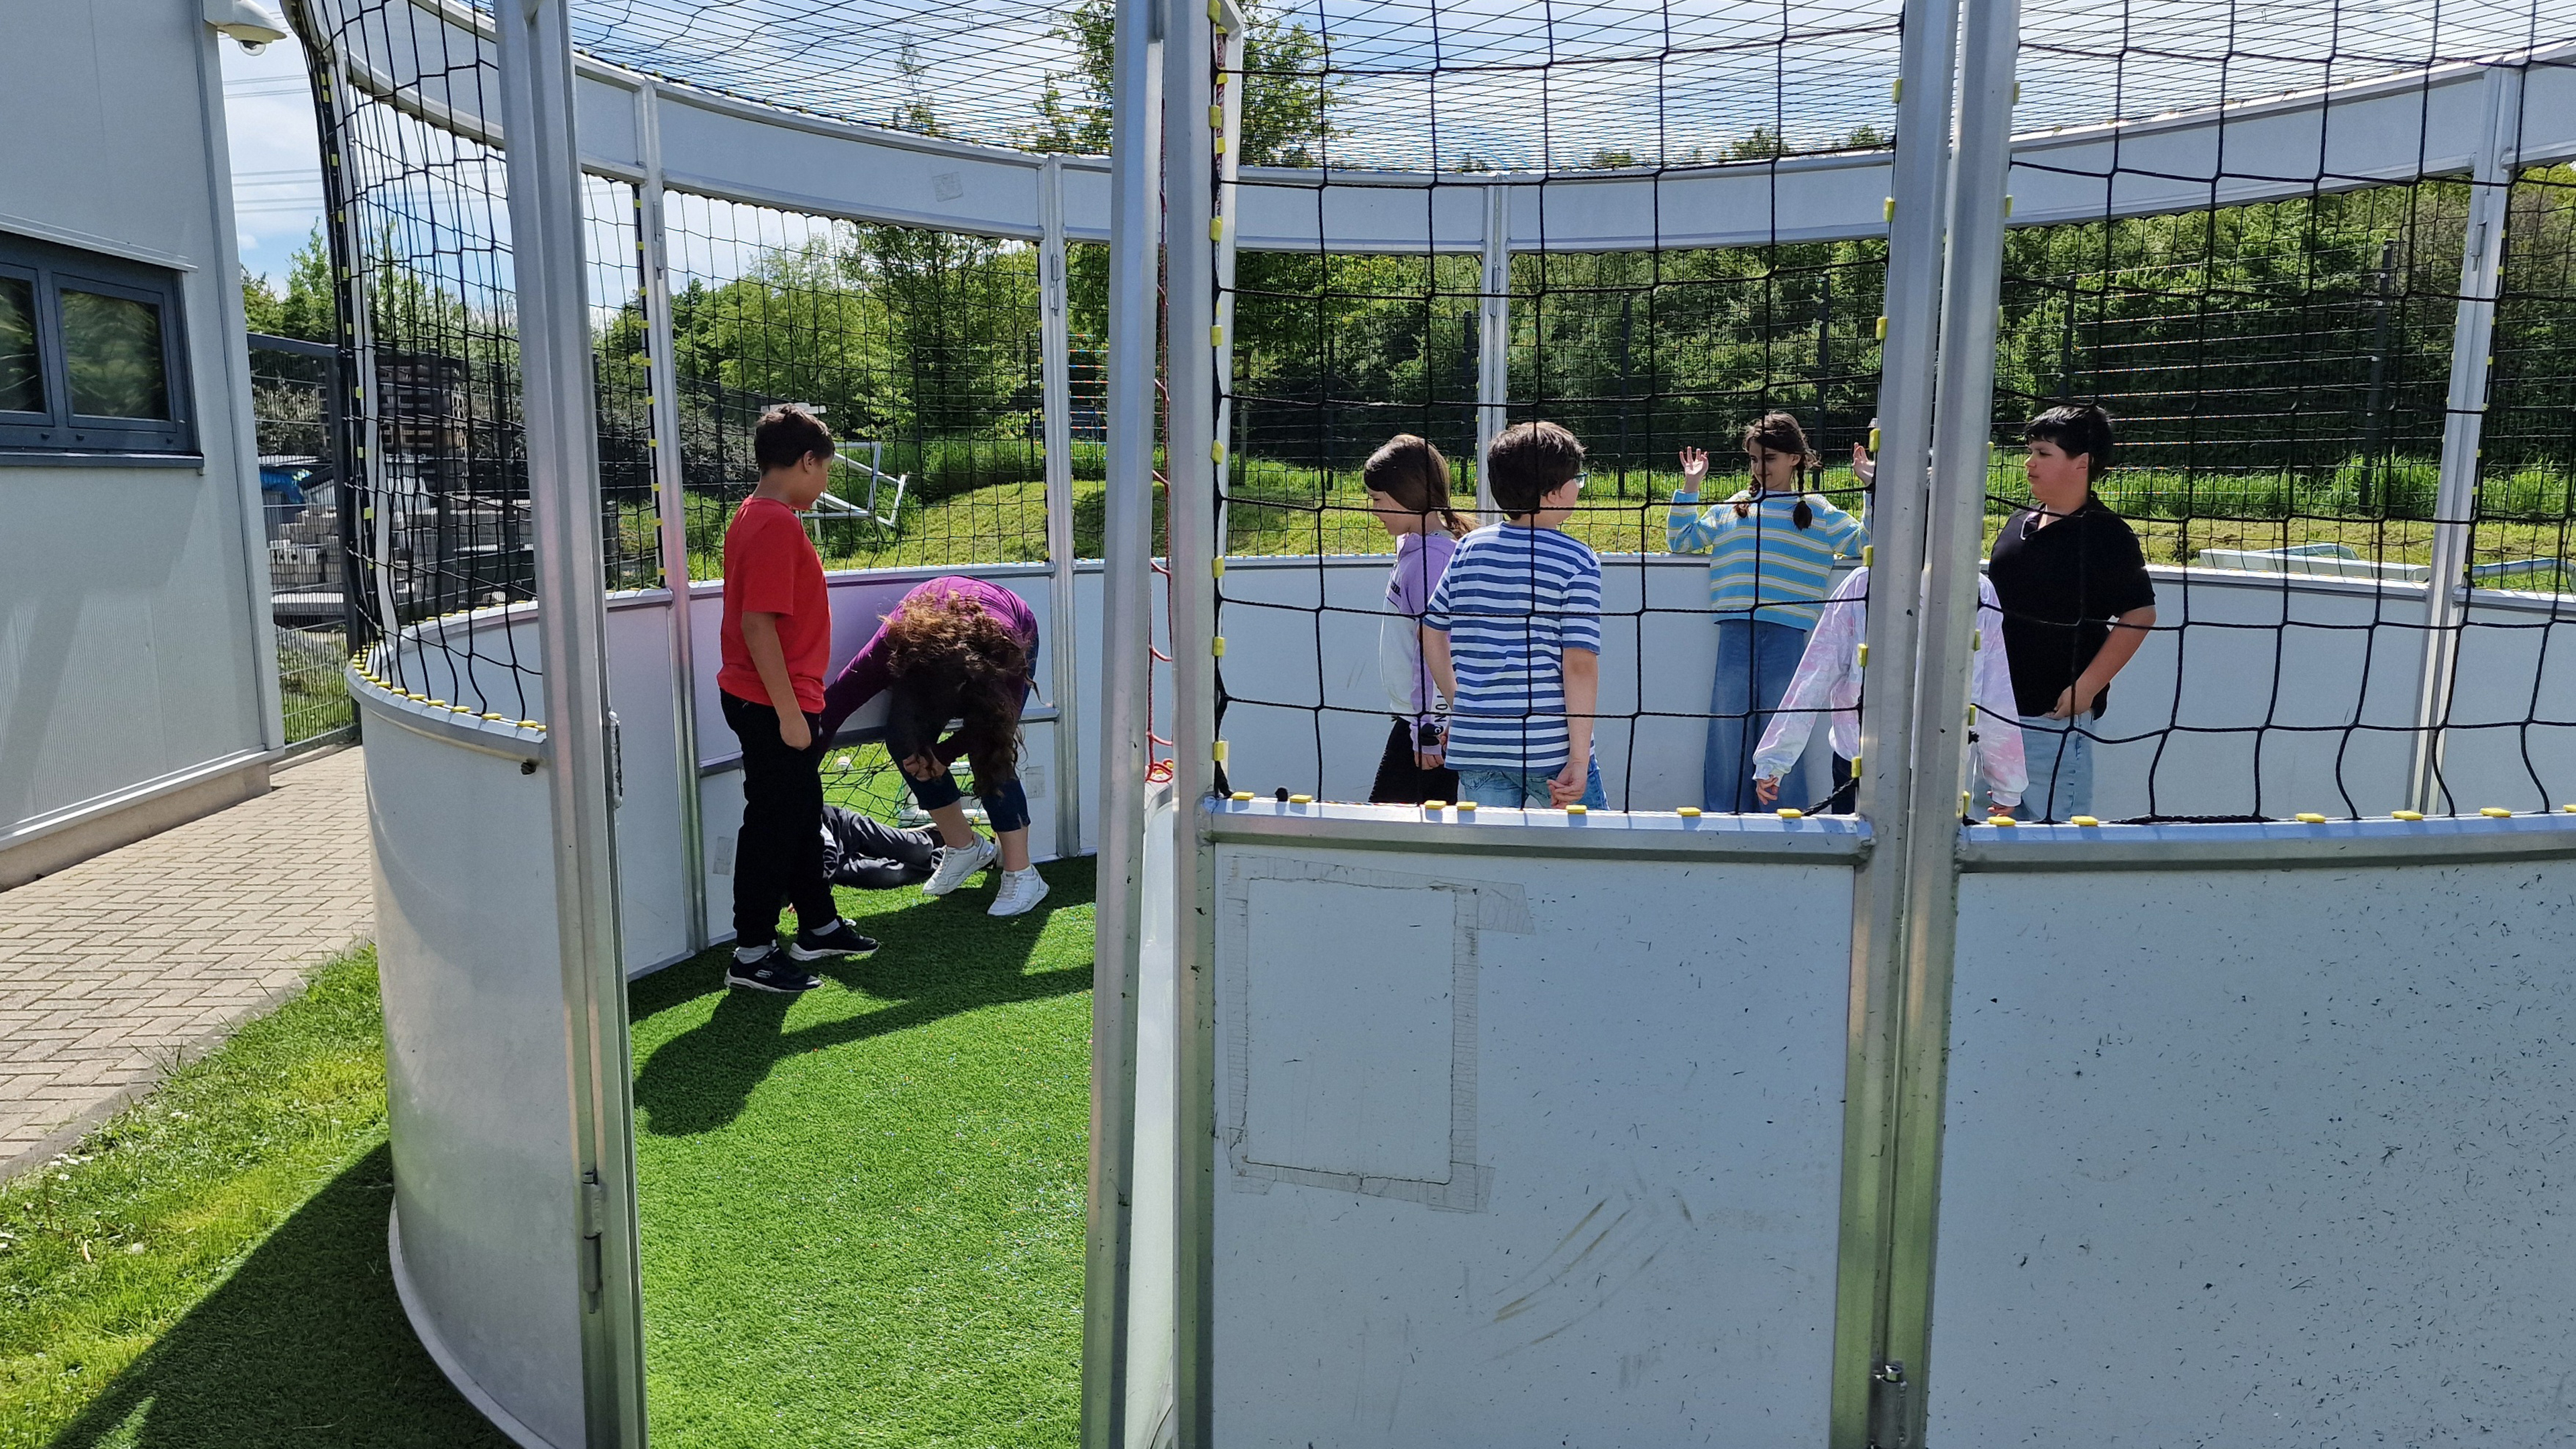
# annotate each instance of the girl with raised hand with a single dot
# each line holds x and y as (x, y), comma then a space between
(955, 649)
(1771, 554)
(1408, 490)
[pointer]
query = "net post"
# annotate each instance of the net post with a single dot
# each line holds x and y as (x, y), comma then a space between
(1194, 460)
(1493, 339)
(1055, 389)
(1919, 195)
(558, 403)
(2455, 500)
(671, 503)
(1963, 426)
(1126, 673)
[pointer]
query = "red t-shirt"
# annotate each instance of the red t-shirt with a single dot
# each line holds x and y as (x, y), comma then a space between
(770, 568)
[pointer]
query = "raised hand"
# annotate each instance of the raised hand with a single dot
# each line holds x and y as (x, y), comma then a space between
(1863, 465)
(1694, 468)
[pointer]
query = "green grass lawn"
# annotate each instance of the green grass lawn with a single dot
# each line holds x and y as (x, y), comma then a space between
(209, 1269)
(863, 1207)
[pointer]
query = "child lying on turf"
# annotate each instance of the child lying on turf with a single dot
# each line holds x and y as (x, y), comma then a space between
(870, 855)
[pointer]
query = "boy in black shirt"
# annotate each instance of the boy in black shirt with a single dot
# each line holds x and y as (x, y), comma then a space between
(2077, 604)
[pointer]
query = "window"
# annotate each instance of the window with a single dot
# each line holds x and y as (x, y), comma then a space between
(92, 362)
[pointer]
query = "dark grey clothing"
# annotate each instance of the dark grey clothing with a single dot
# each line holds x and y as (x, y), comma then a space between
(868, 854)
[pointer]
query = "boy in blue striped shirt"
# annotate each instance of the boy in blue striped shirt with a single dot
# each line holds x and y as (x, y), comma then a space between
(1771, 562)
(1513, 634)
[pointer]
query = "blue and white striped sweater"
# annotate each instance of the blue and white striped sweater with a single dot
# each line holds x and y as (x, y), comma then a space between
(1513, 601)
(1764, 558)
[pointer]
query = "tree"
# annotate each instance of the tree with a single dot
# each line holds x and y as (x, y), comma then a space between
(1286, 98)
(309, 309)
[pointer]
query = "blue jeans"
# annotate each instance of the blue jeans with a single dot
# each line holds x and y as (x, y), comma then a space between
(1755, 660)
(2060, 756)
(1524, 789)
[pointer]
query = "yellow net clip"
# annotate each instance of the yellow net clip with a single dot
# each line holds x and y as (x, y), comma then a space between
(2569, 809)
(2001, 822)
(2007, 204)
(1963, 802)
(2405, 814)
(1216, 451)
(1216, 9)
(1873, 441)
(1216, 567)
(1896, 90)
(1688, 812)
(1216, 646)
(1240, 796)
(1888, 213)
(1788, 814)
(2083, 820)
(2496, 812)
(1976, 640)
(1301, 799)
(2309, 817)
(1220, 752)
(1216, 228)
(529, 724)
(1435, 805)
(1216, 118)
(1577, 809)
(1864, 656)
(1220, 144)
(1466, 807)
(1882, 336)
(1216, 335)
(1868, 550)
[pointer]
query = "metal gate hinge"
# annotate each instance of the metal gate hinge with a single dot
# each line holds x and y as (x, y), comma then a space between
(1888, 1421)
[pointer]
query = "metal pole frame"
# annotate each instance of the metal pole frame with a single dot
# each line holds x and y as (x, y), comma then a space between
(1194, 453)
(1126, 673)
(1493, 340)
(671, 503)
(2446, 603)
(1055, 394)
(1917, 222)
(558, 404)
(1963, 428)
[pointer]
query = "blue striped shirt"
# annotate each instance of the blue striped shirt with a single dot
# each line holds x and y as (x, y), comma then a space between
(1513, 601)
(1765, 557)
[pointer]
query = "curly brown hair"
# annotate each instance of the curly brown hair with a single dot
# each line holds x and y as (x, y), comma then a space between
(951, 660)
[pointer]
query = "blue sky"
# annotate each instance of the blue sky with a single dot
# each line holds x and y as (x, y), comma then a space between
(277, 164)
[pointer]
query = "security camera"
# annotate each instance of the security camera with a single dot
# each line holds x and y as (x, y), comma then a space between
(246, 21)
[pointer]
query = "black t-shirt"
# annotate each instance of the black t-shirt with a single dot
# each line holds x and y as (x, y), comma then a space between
(2060, 587)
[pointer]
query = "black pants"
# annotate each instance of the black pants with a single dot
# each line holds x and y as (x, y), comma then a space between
(778, 857)
(1400, 781)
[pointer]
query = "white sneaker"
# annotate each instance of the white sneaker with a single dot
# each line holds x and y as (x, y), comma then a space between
(957, 862)
(1021, 890)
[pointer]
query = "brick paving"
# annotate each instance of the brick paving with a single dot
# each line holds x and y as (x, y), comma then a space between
(114, 970)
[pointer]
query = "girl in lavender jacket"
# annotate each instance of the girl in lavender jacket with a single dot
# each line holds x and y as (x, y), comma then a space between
(1408, 490)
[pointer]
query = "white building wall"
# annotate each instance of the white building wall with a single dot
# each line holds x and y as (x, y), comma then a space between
(135, 669)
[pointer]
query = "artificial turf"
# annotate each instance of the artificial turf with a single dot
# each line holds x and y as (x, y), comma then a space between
(209, 1268)
(863, 1207)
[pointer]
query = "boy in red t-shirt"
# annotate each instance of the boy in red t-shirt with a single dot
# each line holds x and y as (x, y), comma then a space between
(777, 640)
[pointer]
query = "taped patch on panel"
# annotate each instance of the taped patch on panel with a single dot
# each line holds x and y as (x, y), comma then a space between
(1350, 1019)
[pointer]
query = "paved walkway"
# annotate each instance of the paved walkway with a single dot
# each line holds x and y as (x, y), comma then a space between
(114, 969)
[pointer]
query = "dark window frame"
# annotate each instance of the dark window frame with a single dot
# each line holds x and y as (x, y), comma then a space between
(58, 435)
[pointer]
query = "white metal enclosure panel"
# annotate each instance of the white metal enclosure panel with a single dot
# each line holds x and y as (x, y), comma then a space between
(2259, 1158)
(1639, 1082)
(652, 869)
(476, 1078)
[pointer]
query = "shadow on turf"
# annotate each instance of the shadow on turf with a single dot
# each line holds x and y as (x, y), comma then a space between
(938, 958)
(304, 1345)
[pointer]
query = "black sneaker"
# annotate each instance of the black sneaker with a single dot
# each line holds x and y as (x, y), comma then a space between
(837, 939)
(771, 971)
